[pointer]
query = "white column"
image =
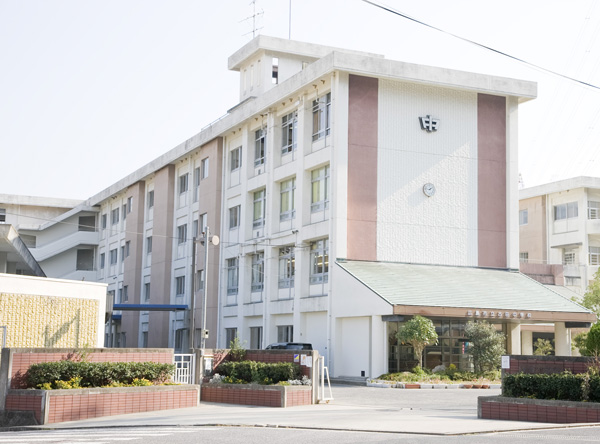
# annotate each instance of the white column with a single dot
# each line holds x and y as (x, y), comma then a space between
(514, 339)
(527, 342)
(562, 339)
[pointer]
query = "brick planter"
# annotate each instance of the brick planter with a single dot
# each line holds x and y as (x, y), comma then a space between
(263, 395)
(537, 410)
(52, 406)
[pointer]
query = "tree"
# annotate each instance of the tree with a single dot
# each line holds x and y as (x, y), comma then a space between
(542, 347)
(579, 342)
(486, 345)
(592, 342)
(419, 332)
(591, 298)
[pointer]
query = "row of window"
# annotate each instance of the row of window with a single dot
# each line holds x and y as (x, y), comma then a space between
(287, 211)
(319, 267)
(285, 333)
(570, 256)
(123, 294)
(321, 112)
(566, 211)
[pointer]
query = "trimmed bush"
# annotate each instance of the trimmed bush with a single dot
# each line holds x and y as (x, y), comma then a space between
(259, 372)
(96, 374)
(559, 386)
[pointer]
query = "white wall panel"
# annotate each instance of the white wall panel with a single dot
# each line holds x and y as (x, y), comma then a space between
(410, 226)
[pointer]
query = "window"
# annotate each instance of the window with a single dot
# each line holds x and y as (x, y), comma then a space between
(102, 260)
(236, 158)
(566, 211)
(258, 219)
(114, 216)
(230, 335)
(524, 257)
(125, 297)
(255, 338)
(321, 119)
(147, 291)
(2, 214)
(85, 260)
(182, 234)
(113, 257)
(593, 210)
(569, 257)
(129, 204)
(523, 217)
(234, 217)
(287, 190)
(200, 280)
(183, 183)
(145, 337)
(232, 275)
(180, 334)
(150, 199)
(195, 229)
(285, 333)
(260, 147)
(204, 165)
(203, 221)
(594, 255)
(319, 260)
(258, 271)
(104, 218)
(287, 267)
(572, 281)
(196, 183)
(127, 247)
(87, 223)
(149, 245)
(124, 211)
(275, 71)
(289, 132)
(179, 285)
(320, 186)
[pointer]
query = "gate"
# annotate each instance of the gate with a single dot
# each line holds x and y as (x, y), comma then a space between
(184, 368)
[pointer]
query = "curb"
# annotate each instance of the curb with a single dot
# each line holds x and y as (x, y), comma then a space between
(409, 385)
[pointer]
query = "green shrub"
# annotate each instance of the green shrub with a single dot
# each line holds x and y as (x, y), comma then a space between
(560, 386)
(259, 372)
(96, 374)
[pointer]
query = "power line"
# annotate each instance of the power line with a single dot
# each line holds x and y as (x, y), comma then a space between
(533, 65)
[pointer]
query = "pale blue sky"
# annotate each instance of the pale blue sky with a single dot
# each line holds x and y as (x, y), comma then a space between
(91, 90)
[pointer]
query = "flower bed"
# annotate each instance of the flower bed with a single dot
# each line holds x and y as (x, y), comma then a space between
(261, 395)
(52, 406)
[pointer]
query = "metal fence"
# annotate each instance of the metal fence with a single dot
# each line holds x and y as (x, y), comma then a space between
(184, 368)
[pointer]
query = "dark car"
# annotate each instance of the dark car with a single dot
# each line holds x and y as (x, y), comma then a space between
(289, 346)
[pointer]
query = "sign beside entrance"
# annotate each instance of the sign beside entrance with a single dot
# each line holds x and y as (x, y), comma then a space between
(498, 314)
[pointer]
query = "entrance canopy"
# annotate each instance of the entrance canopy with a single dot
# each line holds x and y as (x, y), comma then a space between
(465, 292)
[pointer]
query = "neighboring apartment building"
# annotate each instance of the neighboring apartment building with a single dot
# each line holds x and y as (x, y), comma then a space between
(559, 223)
(350, 193)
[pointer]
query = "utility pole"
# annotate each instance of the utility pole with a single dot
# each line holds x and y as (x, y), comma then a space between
(204, 334)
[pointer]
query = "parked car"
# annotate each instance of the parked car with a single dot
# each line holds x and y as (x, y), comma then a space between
(289, 346)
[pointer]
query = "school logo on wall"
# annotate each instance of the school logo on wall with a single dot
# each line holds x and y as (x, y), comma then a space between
(429, 123)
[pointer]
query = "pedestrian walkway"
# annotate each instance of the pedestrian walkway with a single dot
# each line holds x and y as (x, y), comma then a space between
(370, 409)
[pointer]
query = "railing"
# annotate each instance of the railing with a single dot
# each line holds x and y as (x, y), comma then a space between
(184, 368)
(323, 373)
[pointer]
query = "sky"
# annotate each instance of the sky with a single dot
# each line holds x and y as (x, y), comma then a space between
(91, 90)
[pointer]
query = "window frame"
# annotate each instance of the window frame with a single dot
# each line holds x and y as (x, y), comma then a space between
(319, 183)
(179, 286)
(258, 272)
(287, 267)
(235, 158)
(183, 183)
(204, 168)
(181, 234)
(287, 188)
(232, 275)
(319, 270)
(234, 217)
(289, 132)
(321, 111)
(260, 147)
(523, 217)
(259, 203)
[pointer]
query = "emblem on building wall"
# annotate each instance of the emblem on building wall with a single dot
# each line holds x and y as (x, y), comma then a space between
(429, 123)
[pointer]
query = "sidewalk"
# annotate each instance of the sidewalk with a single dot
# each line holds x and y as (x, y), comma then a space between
(431, 412)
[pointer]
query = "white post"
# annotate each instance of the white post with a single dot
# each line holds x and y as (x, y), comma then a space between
(562, 339)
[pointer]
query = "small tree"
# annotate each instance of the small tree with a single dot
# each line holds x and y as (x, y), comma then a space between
(591, 298)
(592, 342)
(419, 332)
(579, 343)
(486, 345)
(542, 347)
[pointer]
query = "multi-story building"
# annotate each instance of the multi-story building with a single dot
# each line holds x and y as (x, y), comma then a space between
(559, 223)
(350, 193)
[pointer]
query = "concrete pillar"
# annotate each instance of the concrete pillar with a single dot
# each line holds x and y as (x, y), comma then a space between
(514, 339)
(562, 339)
(3, 261)
(527, 342)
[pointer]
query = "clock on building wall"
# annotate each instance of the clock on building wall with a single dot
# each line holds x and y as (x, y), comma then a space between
(429, 189)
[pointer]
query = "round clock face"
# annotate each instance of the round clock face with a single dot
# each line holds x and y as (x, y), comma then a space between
(429, 189)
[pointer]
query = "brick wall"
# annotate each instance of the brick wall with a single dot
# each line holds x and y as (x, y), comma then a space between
(537, 410)
(267, 396)
(547, 364)
(26, 403)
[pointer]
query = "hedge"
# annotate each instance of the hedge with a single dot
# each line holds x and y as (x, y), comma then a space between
(560, 386)
(96, 374)
(259, 372)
